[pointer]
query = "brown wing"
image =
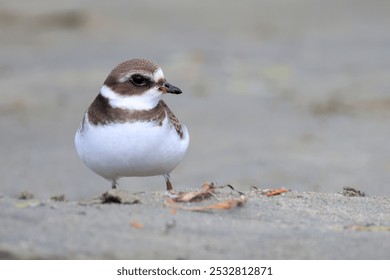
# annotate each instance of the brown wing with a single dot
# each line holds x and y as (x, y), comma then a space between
(172, 118)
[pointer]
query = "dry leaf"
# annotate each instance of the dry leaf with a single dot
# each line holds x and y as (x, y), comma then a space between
(169, 202)
(223, 205)
(205, 191)
(136, 225)
(227, 204)
(269, 192)
(274, 192)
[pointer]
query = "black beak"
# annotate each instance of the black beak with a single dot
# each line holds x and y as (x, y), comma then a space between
(171, 89)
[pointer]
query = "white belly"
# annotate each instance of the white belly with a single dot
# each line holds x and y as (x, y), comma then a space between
(131, 149)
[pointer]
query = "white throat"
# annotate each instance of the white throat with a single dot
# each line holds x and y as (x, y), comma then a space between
(148, 100)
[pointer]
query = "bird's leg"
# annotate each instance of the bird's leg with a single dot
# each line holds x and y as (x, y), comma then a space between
(169, 185)
(113, 184)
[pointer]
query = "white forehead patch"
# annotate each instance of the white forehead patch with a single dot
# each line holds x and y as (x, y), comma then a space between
(158, 74)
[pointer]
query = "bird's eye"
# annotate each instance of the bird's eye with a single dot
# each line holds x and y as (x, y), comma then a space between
(138, 80)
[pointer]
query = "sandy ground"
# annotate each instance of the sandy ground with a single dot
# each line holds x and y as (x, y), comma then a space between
(290, 94)
(290, 226)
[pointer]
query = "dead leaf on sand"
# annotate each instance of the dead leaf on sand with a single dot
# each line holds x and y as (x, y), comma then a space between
(136, 225)
(205, 191)
(274, 192)
(227, 204)
(223, 205)
(269, 192)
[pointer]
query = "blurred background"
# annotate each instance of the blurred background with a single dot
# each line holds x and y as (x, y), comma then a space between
(277, 93)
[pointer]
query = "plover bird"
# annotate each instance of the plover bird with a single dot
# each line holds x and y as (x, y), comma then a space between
(128, 130)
